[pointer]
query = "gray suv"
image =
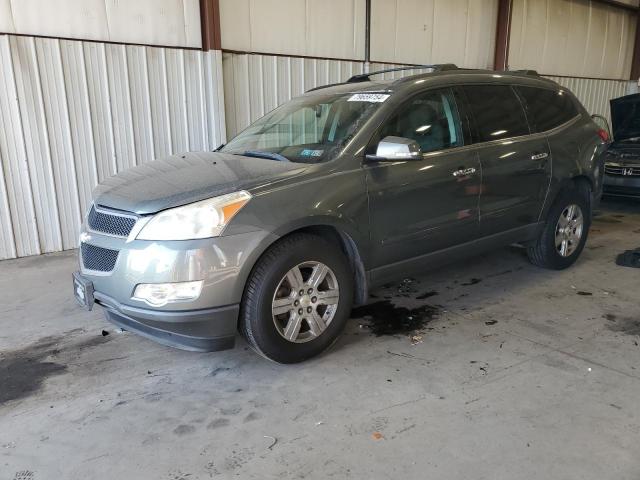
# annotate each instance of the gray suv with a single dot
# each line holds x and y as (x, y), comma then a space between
(281, 231)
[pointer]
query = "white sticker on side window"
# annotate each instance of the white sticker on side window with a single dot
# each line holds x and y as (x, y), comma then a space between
(368, 97)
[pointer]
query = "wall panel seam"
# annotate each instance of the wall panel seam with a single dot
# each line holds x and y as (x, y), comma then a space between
(47, 143)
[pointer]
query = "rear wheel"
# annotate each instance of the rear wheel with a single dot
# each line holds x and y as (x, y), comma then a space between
(298, 299)
(565, 231)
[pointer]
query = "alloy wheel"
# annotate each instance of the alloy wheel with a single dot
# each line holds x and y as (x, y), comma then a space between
(569, 230)
(305, 301)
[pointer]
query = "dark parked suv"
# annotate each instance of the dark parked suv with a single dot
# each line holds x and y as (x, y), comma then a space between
(282, 230)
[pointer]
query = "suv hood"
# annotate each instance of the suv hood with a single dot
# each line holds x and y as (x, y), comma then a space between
(187, 178)
(625, 117)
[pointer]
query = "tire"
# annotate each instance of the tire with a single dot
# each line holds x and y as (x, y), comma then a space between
(271, 281)
(545, 252)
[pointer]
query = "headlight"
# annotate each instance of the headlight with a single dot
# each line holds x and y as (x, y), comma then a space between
(197, 220)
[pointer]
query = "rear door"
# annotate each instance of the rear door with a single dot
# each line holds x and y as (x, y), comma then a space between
(516, 167)
(554, 112)
(420, 206)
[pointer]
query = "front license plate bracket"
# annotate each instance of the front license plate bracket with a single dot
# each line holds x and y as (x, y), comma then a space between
(83, 291)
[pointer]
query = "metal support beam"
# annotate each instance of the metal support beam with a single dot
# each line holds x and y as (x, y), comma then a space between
(635, 60)
(210, 24)
(503, 33)
(367, 32)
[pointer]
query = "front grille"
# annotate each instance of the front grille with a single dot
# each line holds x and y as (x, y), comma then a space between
(110, 223)
(97, 258)
(622, 171)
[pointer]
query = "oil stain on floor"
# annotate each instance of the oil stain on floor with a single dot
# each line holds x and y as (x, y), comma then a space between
(428, 294)
(626, 325)
(629, 258)
(385, 318)
(23, 371)
(606, 219)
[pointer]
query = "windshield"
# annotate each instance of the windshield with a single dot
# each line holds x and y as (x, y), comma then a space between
(309, 129)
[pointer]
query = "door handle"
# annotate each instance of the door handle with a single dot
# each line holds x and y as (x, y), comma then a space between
(539, 156)
(464, 172)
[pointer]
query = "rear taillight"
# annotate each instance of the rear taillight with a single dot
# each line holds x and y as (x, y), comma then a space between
(603, 134)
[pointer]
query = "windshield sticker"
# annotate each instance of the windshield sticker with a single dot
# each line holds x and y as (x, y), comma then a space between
(368, 97)
(311, 153)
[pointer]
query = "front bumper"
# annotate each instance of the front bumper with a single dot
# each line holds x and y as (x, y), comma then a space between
(206, 330)
(622, 186)
(206, 323)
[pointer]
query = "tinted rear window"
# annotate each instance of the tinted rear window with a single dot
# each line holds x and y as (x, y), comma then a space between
(497, 111)
(546, 108)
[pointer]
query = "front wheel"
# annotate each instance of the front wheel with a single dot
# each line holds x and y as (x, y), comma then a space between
(565, 231)
(298, 299)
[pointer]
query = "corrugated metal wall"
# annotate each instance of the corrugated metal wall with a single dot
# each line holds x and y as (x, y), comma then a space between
(73, 113)
(256, 84)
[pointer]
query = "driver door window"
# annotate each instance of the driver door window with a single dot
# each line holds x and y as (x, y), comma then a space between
(431, 119)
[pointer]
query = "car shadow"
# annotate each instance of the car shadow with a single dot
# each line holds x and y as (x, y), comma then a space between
(420, 303)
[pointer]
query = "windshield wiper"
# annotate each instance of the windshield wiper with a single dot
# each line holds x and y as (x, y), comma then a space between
(269, 155)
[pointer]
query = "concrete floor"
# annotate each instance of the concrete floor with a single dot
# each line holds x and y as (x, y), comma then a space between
(525, 373)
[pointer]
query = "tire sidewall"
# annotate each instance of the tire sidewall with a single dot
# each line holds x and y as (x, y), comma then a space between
(267, 338)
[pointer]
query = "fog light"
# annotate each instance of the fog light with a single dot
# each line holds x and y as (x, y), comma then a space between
(159, 294)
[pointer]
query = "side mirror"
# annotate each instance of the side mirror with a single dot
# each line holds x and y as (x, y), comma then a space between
(393, 149)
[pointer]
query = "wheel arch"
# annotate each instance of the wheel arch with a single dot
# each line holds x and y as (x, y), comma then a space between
(579, 181)
(351, 251)
(583, 181)
(341, 235)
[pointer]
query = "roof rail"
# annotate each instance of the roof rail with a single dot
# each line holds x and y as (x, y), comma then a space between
(526, 72)
(364, 77)
(324, 86)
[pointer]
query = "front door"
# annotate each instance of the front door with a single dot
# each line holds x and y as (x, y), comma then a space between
(516, 165)
(420, 206)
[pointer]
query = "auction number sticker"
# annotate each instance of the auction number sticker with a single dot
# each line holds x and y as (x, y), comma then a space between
(311, 153)
(369, 97)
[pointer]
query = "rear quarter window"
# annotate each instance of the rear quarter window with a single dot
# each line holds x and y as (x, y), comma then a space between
(497, 111)
(547, 109)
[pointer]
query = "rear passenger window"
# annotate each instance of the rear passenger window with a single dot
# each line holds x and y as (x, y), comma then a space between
(547, 109)
(497, 111)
